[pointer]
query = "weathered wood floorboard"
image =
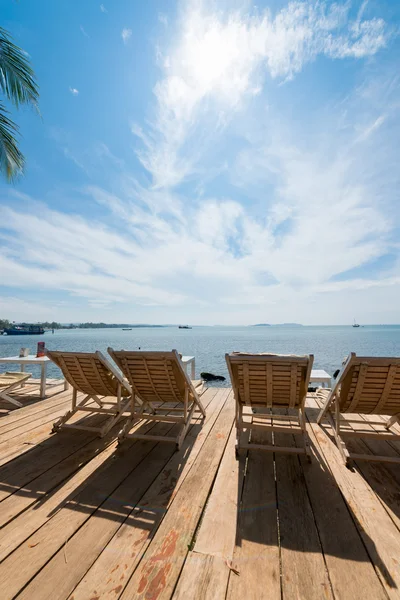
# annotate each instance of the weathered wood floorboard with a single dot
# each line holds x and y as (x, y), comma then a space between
(377, 530)
(82, 520)
(206, 571)
(115, 565)
(88, 542)
(347, 560)
(159, 569)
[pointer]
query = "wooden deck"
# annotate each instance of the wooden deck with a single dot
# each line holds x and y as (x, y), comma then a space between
(85, 521)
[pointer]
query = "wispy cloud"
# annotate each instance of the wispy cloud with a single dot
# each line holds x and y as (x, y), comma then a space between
(74, 91)
(126, 34)
(103, 8)
(322, 218)
(262, 202)
(221, 58)
(84, 32)
(163, 19)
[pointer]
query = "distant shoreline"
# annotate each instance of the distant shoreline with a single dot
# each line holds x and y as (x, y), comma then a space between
(277, 325)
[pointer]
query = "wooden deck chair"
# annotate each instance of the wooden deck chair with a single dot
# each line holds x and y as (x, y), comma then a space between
(262, 383)
(93, 375)
(10, 380)
(158, 379)
(368, 386)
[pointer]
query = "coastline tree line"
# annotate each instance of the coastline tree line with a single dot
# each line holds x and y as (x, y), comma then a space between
(5, 323)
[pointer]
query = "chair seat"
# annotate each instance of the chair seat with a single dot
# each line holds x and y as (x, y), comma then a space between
(11, 377)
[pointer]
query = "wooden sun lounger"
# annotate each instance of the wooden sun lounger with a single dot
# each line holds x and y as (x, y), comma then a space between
(368, 386)
(157, 379)
(262, 383)
(10, 380)
(95, 376)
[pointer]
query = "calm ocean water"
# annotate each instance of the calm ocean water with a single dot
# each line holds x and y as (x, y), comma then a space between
(209, 344)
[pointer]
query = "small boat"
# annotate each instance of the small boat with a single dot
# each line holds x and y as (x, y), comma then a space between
(24, 329)
(127, 329)
(184, 327)
(355, 324)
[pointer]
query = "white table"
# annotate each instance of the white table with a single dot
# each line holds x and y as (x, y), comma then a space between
(321, 376)
(190, 360)
(33, 360)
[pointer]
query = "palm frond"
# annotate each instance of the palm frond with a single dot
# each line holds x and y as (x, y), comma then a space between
(17, 79)
(11, 158)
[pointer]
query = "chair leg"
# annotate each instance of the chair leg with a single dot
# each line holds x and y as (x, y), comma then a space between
(8, 398)
(335, 424)
(325, 409)
(200, 406)
(302, 421)
(111, 422)
(60, 422)
(239, 421)
(97, 400)
(75, 408)
(185, 427)
(125, 430)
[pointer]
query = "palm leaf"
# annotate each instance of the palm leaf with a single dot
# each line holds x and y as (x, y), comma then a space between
(17, 79)
(11, 159)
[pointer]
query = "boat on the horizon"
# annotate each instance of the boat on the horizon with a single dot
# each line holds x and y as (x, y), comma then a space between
(24, 329)
(127, 329)
(355, 324)
(184, 327)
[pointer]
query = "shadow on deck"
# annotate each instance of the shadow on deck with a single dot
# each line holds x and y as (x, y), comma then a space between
(84, 519)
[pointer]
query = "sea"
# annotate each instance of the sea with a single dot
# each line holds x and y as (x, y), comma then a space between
(329, 344)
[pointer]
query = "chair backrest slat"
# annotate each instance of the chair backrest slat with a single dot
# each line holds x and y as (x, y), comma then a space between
(386, 390)
(246, 384)
(370, 385)
(154, 376)
(269, 379)
(359, 386)
(293, 385)
(268, 369)
(86, 380)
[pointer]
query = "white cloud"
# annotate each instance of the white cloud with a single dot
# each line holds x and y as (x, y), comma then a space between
(163, 19)
(103, 8)
(83, 31)
(220, 58)
(283, 198)
(74, 91)
(126, 34)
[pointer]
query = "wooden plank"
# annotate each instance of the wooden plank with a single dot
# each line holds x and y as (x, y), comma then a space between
(39, 435)
(159, 569)
(19, 529)
(88, 542)
(349, 567)
(256, 554)
(119, 559)
(22, 470)
(31, 417)
(25, 562)
(22, 527)
(304, 572)
(207, 581)
(216, 535)
(41, 486)
(18, 433)
(31, 409)
(378, 532)
(383, 479)
(59, 576)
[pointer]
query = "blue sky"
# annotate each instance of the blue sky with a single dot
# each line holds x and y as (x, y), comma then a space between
(206, 162)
